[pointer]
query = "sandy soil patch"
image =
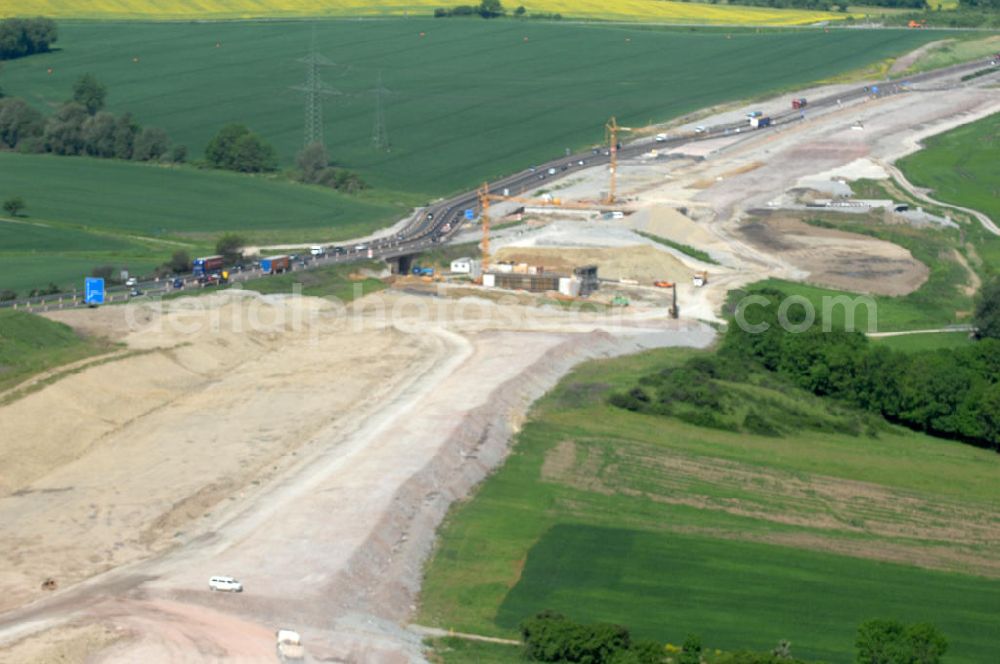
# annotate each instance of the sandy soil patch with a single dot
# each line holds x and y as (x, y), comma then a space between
(642, 263)
(838, 259)
(71, 644)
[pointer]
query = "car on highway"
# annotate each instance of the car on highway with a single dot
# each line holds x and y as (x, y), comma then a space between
(360, 247)
(178, 283)
(225, 584)
(701, 129)
(552, 171)
(661, 138)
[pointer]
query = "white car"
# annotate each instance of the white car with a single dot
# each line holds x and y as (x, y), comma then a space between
(552, 171)
(661, 138)
(700, 129)
(225, 584)
(317, 250)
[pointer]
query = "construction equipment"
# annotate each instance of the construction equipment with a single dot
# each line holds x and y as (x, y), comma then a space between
(674, 311)
(485, 197)
(700, 278)
(611, 131)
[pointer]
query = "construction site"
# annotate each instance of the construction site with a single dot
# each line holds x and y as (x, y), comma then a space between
(311, 450)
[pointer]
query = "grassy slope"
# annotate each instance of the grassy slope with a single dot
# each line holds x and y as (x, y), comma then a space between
(912, 343)
(689, 494)
(182, 202)
(954, 51)
(635, 10)
(942, 300)
(331, 282)
(120, 214)
(31, 344)
(961, 166)
(471, 99)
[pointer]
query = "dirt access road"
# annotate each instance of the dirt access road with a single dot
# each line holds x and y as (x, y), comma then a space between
(307, 450)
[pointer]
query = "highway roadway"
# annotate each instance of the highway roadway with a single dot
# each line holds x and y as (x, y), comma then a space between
(441, 220)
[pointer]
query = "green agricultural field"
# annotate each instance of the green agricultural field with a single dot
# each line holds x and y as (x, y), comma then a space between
(671, 528)
(134, 216)
(469, 99)
(182, 203)
(961, 167)
(450, 650)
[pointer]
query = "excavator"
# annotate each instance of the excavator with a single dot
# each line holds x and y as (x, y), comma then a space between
(673, 310)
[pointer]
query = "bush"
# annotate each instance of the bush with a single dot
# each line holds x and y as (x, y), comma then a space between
(230, 247)
(179, 262)
(236, 148)
(551, 637)
(7, 295)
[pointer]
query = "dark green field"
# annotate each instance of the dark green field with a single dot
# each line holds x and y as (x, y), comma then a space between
(470, 99)
(672, 584)
(671, 528)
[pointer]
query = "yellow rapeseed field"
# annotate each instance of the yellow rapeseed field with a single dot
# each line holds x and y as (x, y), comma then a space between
(663, 11)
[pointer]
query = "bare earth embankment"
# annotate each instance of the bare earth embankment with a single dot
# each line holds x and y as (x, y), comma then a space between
(308, 451)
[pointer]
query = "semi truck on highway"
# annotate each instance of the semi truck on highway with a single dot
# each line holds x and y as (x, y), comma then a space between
(206, 265)
(274, 264)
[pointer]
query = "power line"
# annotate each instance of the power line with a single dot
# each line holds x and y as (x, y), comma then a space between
(315, 89)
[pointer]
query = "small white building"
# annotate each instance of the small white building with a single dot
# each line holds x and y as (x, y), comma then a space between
(470, 266)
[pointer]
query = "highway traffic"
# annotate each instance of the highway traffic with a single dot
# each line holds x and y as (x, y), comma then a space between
(441, 220)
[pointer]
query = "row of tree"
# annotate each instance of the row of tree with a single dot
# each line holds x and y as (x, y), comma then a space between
(26, 36)
(552, 637)
(953, 393)
(80, 126)
(485, 9)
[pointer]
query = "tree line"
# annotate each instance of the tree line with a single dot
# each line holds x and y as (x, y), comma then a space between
(81, 126)
(20, 37)
(552, 637)
(491, 9)
(950, 393)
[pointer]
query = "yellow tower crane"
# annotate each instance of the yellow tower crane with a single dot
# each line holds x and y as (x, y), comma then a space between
(611, 130)
(484, 204)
